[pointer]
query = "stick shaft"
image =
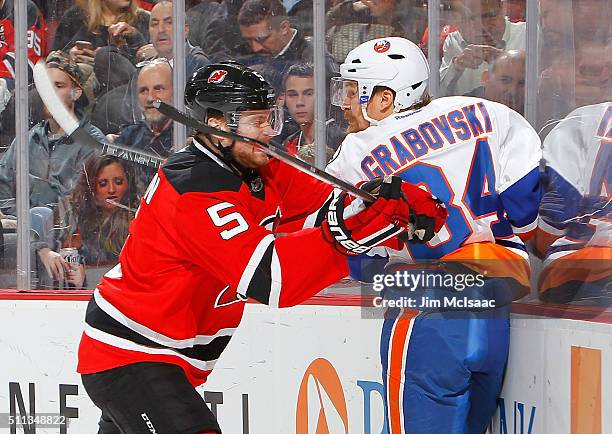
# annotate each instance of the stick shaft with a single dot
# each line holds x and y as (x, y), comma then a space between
(270, 150)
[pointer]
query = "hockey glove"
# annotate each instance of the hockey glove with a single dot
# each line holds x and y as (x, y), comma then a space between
(354, 228)
(427, 213)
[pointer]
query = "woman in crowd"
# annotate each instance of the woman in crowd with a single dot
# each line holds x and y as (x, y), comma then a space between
(101, 32)
(96, 221)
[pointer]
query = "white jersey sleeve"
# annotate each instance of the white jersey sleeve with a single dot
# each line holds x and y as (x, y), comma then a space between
(577, 201)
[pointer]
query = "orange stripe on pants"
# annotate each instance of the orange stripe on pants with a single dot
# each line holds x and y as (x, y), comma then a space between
(586, 391)
(398, 347)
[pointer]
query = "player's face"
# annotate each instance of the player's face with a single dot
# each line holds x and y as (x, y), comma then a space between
(254, 124)
(299, 98)
(112, 184)
(351, 109)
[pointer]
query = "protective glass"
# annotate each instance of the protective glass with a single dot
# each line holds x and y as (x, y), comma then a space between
(270, 119)
(342, 92)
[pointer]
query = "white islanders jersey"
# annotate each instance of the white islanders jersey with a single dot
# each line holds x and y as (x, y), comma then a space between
(578, 154)
(479, 157)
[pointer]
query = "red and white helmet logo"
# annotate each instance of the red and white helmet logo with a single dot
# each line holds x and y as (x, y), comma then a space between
(217, 76)
(382, 46)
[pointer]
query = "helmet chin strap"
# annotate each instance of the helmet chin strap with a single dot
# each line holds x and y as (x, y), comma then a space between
(364, 112)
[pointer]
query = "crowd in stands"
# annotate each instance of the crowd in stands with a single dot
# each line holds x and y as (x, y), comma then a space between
(110, 59)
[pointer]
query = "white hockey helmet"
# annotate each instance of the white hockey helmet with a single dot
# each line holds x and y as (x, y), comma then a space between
(393, 62)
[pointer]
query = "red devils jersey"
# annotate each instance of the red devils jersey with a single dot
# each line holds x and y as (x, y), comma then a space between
(37, 38)
(202, 243)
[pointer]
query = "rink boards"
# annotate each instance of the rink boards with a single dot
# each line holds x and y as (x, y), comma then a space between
(283, 367)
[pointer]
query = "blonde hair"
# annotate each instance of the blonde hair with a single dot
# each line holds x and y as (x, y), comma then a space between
(93, 11)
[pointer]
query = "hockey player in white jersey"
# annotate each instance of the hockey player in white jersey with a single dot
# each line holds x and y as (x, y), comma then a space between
(481, 159)
(575, 224)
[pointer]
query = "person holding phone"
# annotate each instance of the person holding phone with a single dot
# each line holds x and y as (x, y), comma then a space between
(483, 35)
(93, 30)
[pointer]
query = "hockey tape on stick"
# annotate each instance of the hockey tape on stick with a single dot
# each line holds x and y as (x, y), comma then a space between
(270, 150)
(69, 123)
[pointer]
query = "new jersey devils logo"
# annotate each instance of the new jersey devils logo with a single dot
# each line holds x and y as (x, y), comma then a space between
(382, 46)
(217, 76)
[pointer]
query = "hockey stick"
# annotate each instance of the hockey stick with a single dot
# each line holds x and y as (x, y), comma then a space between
(69, 123)
(268, 149)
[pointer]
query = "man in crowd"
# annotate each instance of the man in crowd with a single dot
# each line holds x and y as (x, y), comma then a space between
(299, 94)
(481, 38)
(56, 160)
(162, 40)
(504, 81)
(153, 133)
(117, 107)
(579, 77)
(265, 27)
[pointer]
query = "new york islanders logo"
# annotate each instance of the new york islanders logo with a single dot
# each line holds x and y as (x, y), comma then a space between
(382, 46)
(217, 76)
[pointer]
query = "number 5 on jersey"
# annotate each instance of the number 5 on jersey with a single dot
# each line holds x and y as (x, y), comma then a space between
(236, 222)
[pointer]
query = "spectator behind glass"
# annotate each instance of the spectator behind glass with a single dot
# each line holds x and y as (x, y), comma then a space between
(350, 23)
(91, 221)
(575, 81)
(504, 82)
(162, 40)
(574, 58)
(482, 37)
(213, 29)
(37, 45)
(449, 22)
(265, 27)
(116, 108)
(515, 10)
(556, 22)
(299, 94)
(115, 29)
(153, 133)
(55, 158)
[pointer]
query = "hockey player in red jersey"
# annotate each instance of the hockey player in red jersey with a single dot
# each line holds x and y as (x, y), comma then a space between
(203, 241)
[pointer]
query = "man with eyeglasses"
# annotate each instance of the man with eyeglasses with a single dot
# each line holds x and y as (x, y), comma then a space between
(482, 36)
(265, 27)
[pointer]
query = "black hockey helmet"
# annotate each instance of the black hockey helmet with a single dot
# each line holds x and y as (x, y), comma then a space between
(227, 87)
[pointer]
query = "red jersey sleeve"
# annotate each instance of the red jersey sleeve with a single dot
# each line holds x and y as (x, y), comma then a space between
(220, 234)
(303, 198)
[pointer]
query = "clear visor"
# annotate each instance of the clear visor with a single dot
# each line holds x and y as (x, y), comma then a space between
(251, 123)
(343, 92)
